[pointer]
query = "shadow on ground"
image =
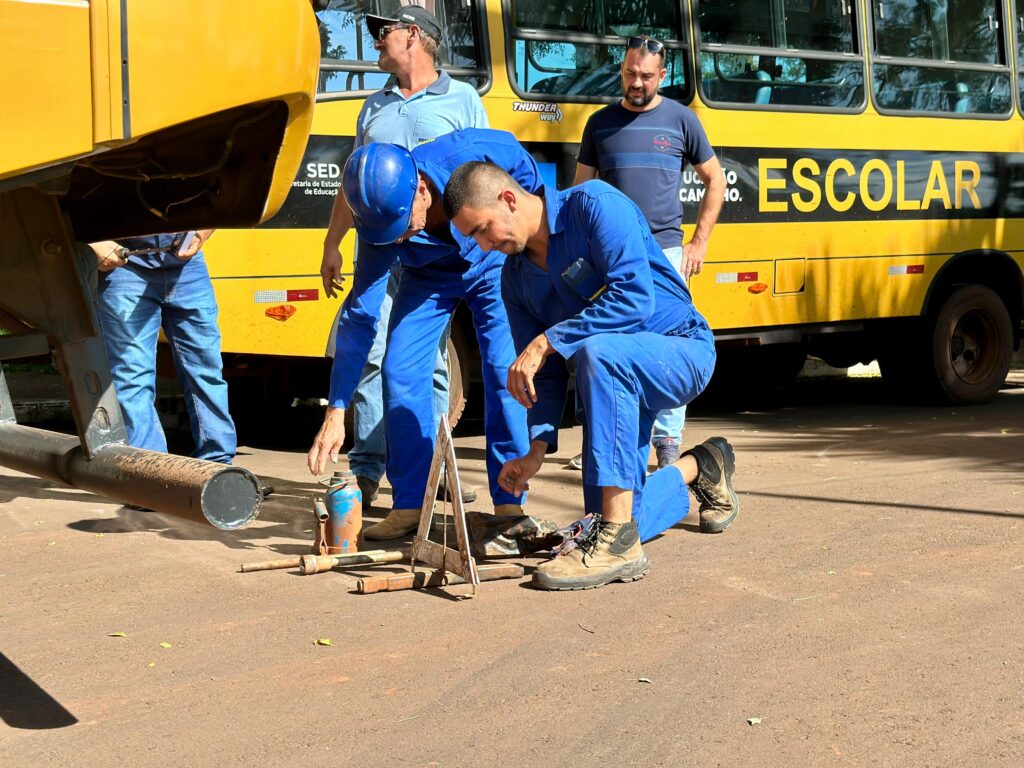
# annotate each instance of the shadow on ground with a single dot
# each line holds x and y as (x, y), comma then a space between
(23, 704)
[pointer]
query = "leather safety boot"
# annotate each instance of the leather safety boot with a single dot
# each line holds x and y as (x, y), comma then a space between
(369, 490)
(713, 486)
(667, 451)
(608, 552)
(397, 524)
(508, 510)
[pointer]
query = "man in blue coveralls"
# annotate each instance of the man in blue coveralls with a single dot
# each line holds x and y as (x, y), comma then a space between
(395, 198)
(586, 281)
(418, 103)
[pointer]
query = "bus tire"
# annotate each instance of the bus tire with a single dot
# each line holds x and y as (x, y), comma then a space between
(456, 391)
(971, 345)
(458, 375)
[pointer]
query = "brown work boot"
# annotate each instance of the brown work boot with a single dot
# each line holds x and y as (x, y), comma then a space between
(508, 510)
(713, 486)
(397, 524)
(608, 552)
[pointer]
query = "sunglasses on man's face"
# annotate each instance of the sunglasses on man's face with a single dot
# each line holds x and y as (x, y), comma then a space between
(645, 42)
(387, 29)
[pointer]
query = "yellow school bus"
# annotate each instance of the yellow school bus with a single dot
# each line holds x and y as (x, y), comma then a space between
(143, 117)
(874, 154)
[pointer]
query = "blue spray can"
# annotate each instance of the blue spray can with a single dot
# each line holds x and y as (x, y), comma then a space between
(345, 509)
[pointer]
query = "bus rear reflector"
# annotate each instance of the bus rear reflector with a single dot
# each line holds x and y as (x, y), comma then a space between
(736, 277)
(277, 297)
(907, 269)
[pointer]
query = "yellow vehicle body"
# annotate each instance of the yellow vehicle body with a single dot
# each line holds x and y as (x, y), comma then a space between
(111, 95)
(836, 218)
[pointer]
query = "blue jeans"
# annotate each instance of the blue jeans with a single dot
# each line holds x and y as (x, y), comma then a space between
(368, 455)
(134, 304)
(669, 423)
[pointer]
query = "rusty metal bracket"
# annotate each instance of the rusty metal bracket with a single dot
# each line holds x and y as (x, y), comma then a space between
(49, 286)
(6, 406)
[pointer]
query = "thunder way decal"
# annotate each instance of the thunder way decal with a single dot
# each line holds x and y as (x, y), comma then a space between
(548, 111)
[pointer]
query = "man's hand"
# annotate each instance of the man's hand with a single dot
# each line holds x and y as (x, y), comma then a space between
(109, 256)
(195, 244)
(516, 473)
(330, 270)
(525, 367)
(328, 441)
(693, 258)
(713, 178)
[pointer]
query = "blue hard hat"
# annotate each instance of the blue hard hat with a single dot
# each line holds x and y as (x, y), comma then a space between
(380, 183)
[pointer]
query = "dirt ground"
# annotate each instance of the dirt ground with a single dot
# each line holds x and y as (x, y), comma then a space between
(864, 610)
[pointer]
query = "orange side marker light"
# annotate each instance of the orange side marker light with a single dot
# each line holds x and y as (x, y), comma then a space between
(281, 312)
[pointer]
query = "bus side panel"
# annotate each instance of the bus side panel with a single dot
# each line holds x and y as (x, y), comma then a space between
(849, 270)
(47, 88)
(285, 254)
(256, 272)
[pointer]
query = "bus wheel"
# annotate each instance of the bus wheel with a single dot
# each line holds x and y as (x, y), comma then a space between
(456, 391)
(972, 343)
(458, 375)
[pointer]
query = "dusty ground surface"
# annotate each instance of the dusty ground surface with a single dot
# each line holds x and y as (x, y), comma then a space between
(865, 607)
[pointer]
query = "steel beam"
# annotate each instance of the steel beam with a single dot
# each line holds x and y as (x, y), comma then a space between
(224, 496)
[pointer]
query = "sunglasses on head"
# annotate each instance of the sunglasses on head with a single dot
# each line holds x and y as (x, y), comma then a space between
(387, 29)
(652, 45)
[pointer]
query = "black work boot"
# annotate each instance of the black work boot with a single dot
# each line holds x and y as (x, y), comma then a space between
(608, 552)
(468, 491)
(368, 488)
(713, 486)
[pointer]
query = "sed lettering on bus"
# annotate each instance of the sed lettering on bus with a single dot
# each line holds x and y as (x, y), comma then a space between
(950, 185)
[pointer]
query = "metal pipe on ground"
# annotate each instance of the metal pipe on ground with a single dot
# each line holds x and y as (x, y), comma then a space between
(310, 564)
(224, 496)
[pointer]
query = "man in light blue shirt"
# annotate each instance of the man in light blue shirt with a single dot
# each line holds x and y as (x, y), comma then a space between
(586, 281)
(417, 104)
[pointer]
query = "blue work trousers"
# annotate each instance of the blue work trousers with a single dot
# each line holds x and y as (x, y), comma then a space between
(423, 307)
(622, 382)
(669, 423)
(134, 304)
(368, 455)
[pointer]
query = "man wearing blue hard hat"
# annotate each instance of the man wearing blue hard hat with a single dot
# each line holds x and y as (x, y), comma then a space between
(396, 200)
(418, 103)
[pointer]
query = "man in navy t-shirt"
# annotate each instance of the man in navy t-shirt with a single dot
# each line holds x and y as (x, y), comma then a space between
(639, 145)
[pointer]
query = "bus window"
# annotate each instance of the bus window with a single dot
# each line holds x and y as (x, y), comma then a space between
(940, 56)
(573, 49)
(791, 53)
(349, 61)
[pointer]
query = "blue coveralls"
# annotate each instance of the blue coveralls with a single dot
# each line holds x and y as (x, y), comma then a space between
(611, 302)
(436, 275)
